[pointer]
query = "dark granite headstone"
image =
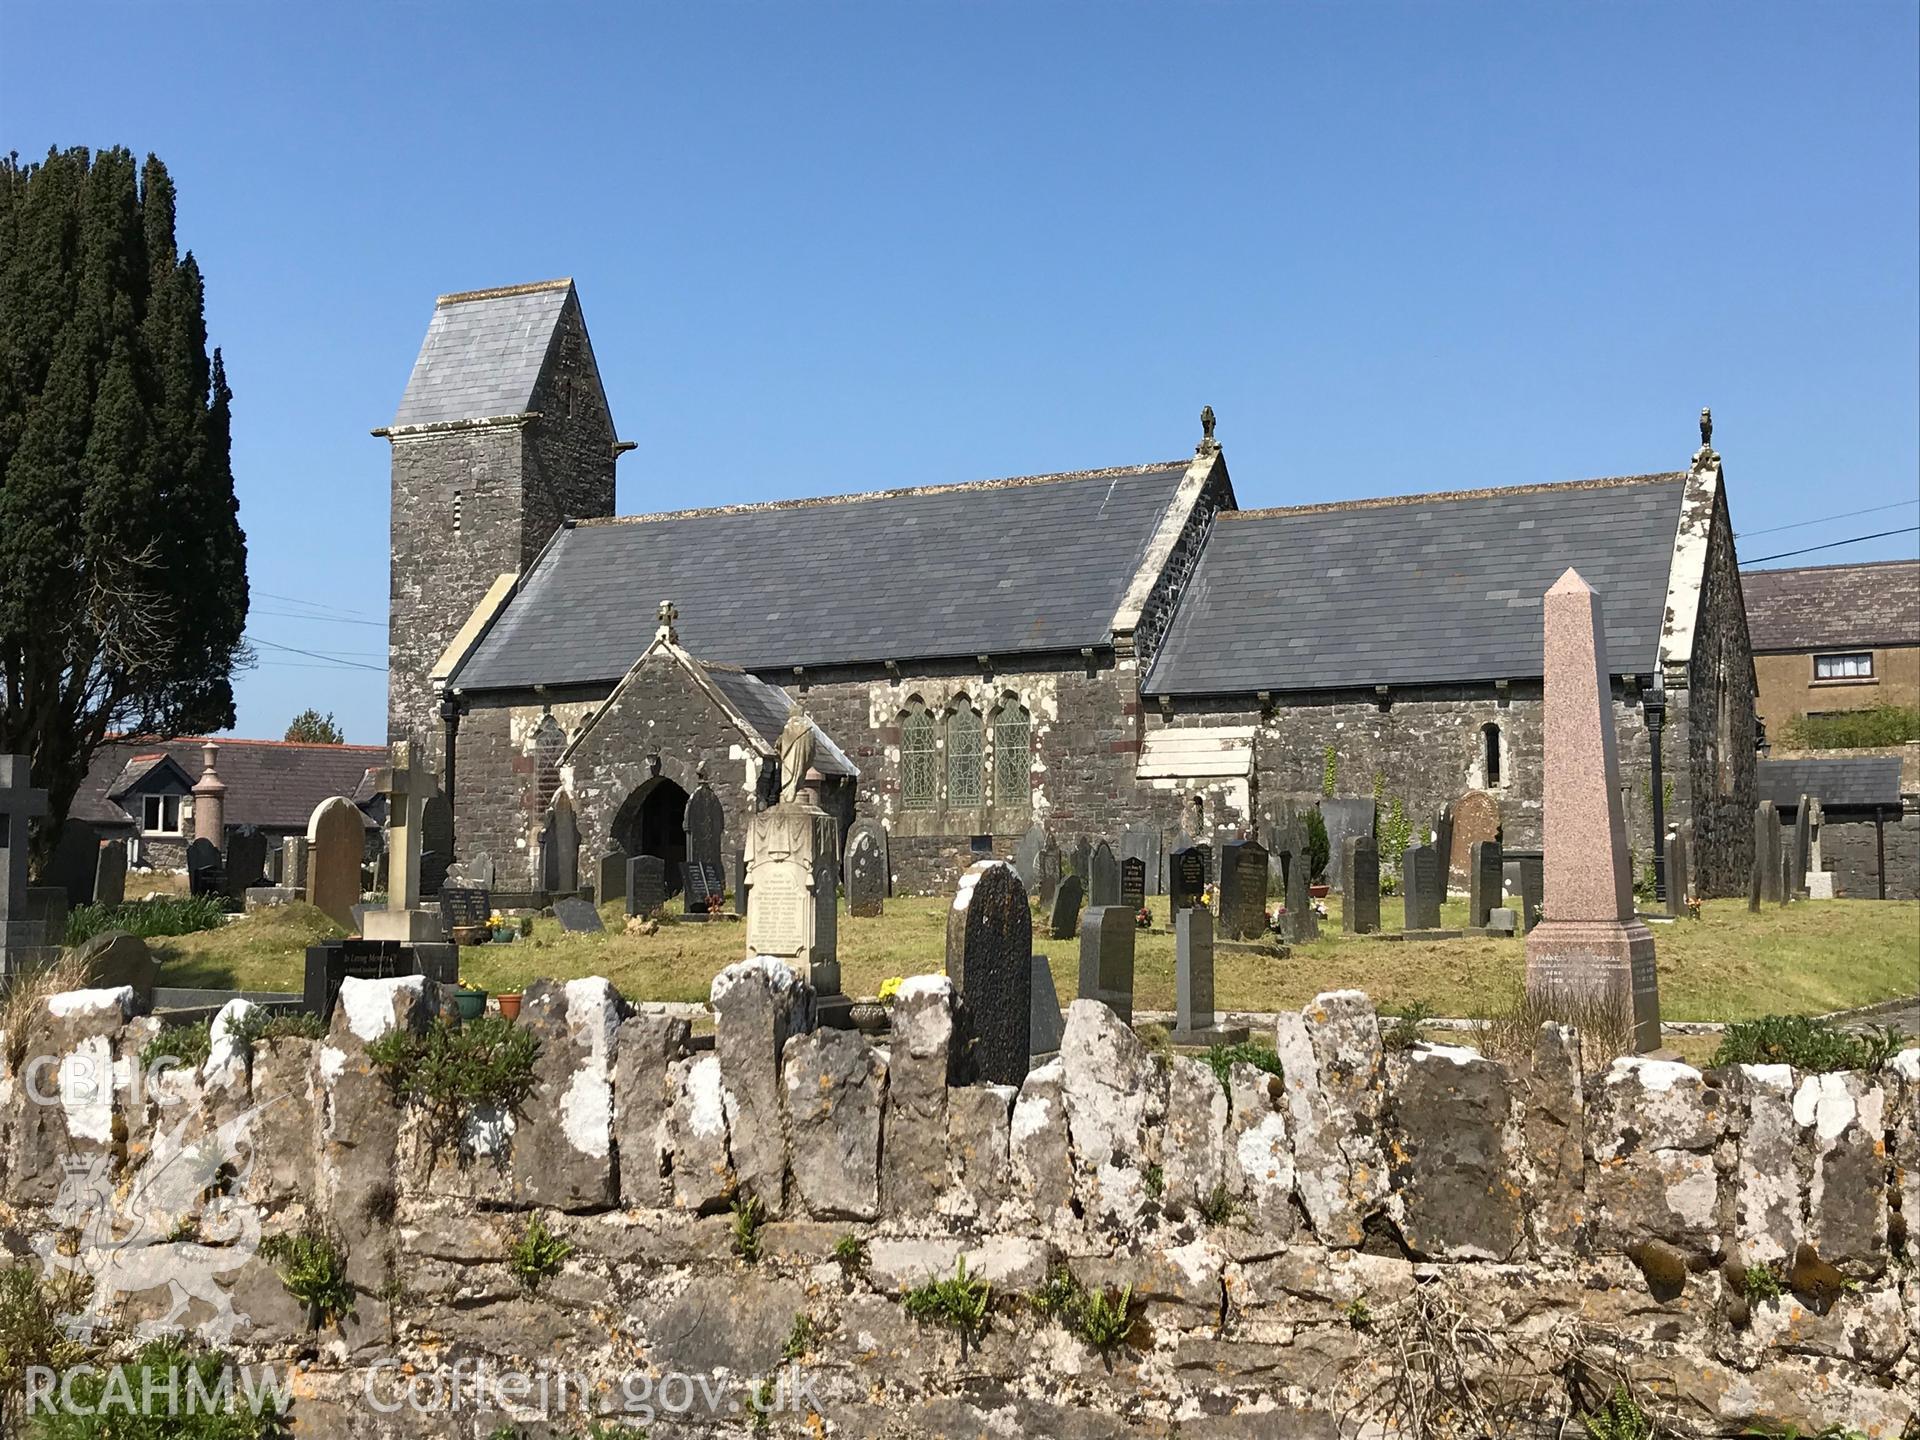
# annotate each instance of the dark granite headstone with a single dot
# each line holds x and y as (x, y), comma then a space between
(1360, 885)
(705, 882)
(436, 843)
(1243, 889)
(1443, 845)
(876, 834)
(463, 907)
(739, 883)
(1106, 958)
(1485, 864)
(646, 884)
(332, 961)
(1133, 883)
(110, 879)
(706, 824)
(1186, 877)
(866, 875)
(1047, 1024)
(246, 860)
(577, 916)
(1343, 818)
(75, 862)
(1103, 876)
(560, 848)
(204, 873)
(990, 959)
(1144, 846)
(1533, 886)
(1420, 878)
(1065, 920)
(613, 877)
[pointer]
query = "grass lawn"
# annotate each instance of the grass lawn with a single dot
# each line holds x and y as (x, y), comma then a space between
(1731, 965)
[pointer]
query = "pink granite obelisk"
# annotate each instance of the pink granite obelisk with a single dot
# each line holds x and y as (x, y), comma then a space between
(1589, 946)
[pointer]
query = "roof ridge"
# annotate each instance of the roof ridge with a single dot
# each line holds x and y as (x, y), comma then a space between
(811, 501)
(1834, 565)
(1378, 502)
(119, 739)
(502, 292)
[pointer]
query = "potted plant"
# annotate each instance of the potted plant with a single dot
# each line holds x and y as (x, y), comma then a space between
(509, 1005)
(499, 928)
(471, 999)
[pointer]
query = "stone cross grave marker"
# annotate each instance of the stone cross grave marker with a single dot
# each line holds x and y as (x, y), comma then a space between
(1344, 817)
(990, 960)
(1064, 922)
(1106, 958)
(110, 880)
(1420, 880)
(1195, 1021)
(20, 803)
(866, 875)
(1103, 879)
(1243, 889)
(1133, 884)
(1486, 867)
(336, 841)
(1590, 946)
(1186, 877)
(407, 788)
(612, 877)
(646, 884)
(1144, 846)
(1360, 900)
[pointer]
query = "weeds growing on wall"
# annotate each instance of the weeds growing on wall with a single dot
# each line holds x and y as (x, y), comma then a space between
(1403, 1031)
(537, 1254)
(26, 999)
(958, 1303)
(314, 1271)
(1510, 1021)
(162, 915)
(94, 1408)
(748, 1216)
(1222, 1058)
(455, 1069)
(33, 1309)
(1855, 729)
(1807, 1043)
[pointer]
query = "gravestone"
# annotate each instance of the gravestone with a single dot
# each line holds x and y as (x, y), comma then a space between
(1083, 863)
(577, 916)
(246, 862)
(1133, 884)
(560, 848)
(739, 882)
(463, 908)
(1047, 1024)
(1243, 889)
(1443, 846)
(22, 944)
(793, 873)
(1026, 857)
(866, 875)
(336, 840)
(1679, 882)
(205, 875)
(990, 961)
(1049, 875)
(1103, 879)
(1420, 887)
(110, 879)
(1802, 848)
(1783, 856)
(276, 864)
(1485, 871)
(1186, 877)
(408, 788)
(702, 885)
(1589, 949)
(1303, 922)
(1195, 1021)
(75, 862)
(1533, 887)
(877, 836)
(706, 825)
(1344, 817)
(1144, 846)
(47, 914)
(1360, 873)
(1763, 877)
(1475, 817)
(646, 884)
(1503, 920)
(1106, 958)
(476, 871)
(1065, 919)
(612, 877)
(436, 843)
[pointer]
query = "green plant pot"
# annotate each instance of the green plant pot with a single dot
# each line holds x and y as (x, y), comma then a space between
(472, 1003)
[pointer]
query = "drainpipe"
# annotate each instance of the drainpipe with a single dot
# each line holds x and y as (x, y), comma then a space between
(450, 718)
(1653, 705)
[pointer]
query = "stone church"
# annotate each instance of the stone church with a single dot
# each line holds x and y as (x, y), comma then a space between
(1099, 651)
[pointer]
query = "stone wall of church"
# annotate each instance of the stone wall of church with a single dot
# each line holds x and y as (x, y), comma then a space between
(570, 456)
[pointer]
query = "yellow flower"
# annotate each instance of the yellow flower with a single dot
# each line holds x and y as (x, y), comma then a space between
(891, 986)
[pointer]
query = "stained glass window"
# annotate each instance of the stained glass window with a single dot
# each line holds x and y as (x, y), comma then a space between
(917, 761)
(1012, 757)
(966, 779)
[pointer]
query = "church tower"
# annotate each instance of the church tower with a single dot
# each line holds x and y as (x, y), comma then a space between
(504, 431)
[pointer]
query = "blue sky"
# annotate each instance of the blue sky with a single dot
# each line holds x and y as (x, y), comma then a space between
(834, 247)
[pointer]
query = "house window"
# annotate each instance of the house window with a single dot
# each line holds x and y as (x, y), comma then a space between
(162, 815)
(1012, 756)
(966, 775)
(917, 761)
(1490, 745)
(1856, 666)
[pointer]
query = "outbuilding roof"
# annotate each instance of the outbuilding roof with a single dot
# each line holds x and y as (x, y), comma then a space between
(274, 784)
(1833, 607)
(483, 354)
(1424, 589)
(1840, 783)
(996, 567)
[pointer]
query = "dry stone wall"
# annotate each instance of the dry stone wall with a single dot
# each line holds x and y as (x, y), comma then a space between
(1287, 1240)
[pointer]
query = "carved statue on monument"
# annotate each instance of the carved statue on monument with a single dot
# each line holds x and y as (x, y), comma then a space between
(796, 755)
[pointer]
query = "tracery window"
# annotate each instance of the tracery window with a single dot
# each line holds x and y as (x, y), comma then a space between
(917, 761)
(966, 774)
(1012, 756)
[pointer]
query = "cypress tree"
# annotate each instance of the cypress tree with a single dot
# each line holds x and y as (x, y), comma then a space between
(123, 591)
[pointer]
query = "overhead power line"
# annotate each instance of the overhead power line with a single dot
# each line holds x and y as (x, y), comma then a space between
(319, 619)
(1835, 545)
(1843, 515)
(317, 655)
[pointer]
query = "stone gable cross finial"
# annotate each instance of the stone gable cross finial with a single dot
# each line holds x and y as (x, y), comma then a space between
(1705, 454)
(669, 612)
(1207, 441)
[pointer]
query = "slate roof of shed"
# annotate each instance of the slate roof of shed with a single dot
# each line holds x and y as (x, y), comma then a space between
(483, 353)
(1422, 589)
(1856, 782)
(995, 567)
(1830, 607)
(274, 784)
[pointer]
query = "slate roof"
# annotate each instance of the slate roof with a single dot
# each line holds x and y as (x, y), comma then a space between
(270, 783)
(1833, 607)
(1422, 589)
(483, 353)
(1857, 782)
(996, 567)
(766, 708)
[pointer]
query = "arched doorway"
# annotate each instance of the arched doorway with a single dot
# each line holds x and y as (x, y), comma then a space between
(653, 822)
